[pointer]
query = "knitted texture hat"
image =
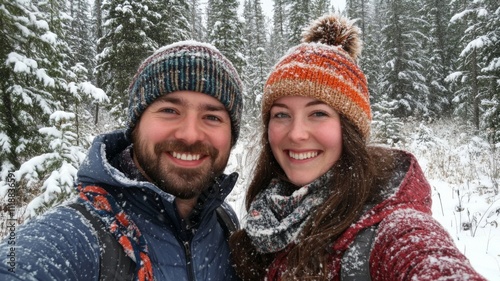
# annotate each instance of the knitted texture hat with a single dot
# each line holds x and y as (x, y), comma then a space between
(324, 67)
(186, 66)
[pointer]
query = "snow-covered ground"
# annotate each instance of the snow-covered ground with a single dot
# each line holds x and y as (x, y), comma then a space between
(462, 170)
(473, 226)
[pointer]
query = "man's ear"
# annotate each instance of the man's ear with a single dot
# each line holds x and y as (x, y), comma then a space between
(133, 134)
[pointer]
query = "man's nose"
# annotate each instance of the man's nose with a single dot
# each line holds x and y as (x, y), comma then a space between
(190, 130)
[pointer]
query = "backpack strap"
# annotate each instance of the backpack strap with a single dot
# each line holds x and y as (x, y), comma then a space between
(114, 263)
(355, 265)
(227, 219)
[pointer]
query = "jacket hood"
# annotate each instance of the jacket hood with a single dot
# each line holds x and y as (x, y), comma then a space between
(96, 169)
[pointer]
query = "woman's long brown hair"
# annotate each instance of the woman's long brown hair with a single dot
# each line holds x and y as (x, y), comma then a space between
(356, 180)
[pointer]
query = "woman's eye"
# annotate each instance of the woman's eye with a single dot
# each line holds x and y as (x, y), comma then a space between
(319, 114)
(280, 115)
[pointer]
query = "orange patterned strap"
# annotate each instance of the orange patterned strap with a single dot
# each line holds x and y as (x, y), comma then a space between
(119, 224)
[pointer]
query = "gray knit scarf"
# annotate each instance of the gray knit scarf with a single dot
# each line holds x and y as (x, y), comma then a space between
(276, 217)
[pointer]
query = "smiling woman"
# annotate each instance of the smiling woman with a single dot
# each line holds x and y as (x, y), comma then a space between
(321, 197)
(305, 137)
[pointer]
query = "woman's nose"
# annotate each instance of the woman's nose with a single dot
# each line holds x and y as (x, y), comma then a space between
(298, 130)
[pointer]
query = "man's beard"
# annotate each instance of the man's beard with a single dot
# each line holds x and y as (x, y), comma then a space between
(184, 183)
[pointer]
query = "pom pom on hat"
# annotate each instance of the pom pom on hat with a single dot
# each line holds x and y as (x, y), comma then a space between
(324, 67)
(335, 31)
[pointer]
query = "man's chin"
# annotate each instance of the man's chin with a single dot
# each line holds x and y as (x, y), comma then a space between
(182, 192)
(186, 185)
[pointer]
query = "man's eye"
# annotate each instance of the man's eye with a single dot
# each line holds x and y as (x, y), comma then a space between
(213, 118)
(168, 110)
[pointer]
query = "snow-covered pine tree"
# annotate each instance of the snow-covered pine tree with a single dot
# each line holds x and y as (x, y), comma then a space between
(386, 127)
(403, 74)
(170, 22)
(476, 75)
(278, 43)
(320, 8)
(49, 82)
(81, 41)
(225, 30)
(299, 16)
(125, 43)
(196, 20)
(257, 60)
(492, 72)
(358, 10)
(434, 14)
(52, 172)
(97, 33)
(440, 55)
(25, 87)
(371, 60)
(362, 12)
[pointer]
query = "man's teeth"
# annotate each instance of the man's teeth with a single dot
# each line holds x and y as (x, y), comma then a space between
(186, 156)
(302, 156)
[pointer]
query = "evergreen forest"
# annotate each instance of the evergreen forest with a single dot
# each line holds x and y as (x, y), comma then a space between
(66, 66)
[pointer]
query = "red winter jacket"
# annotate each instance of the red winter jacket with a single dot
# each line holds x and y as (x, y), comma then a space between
(409, 243)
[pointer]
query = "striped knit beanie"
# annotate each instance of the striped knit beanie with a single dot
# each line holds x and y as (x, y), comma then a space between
(324, 67)
(186, 66)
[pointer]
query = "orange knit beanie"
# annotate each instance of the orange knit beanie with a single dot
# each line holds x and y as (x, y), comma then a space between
(324, 67)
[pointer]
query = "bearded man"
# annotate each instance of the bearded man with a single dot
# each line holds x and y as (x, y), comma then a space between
(154, 187)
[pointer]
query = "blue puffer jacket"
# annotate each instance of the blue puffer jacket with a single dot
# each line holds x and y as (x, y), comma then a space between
(62, 245)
